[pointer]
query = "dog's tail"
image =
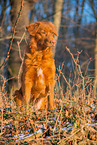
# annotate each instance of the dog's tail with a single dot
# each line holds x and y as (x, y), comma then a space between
(18, 97)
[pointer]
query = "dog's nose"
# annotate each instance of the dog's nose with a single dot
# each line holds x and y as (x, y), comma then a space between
(53, 42)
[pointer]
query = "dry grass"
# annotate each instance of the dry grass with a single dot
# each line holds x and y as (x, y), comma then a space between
(72, 122)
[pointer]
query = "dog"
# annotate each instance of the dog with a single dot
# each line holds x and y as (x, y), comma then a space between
(37, 81)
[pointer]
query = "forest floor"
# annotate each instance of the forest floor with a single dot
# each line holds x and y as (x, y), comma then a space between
(74, 121)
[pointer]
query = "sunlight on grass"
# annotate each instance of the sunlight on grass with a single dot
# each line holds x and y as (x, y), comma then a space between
(73, 121)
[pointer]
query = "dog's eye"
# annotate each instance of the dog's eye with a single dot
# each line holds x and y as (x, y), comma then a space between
(53, 34)
(43, 32)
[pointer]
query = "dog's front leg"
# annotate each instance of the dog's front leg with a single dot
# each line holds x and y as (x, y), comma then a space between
(50, 93)
(27, 94)
(27, 85)
(27, 82)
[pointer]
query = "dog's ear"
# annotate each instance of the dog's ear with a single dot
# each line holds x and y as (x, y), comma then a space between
(54, 29)
(33, 28)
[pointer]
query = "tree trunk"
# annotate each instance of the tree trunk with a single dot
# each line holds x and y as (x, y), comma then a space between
(94, 8)
(3, 43)
(57, 18)
(77, 19)
(14, 61)
(95, 53)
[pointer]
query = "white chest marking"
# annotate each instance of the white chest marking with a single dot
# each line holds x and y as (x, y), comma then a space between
(40, 75)
(40, 72)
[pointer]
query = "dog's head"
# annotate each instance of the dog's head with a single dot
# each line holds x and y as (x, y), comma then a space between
(43, 32)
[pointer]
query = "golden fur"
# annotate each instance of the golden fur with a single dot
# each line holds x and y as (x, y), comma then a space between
(37, 82)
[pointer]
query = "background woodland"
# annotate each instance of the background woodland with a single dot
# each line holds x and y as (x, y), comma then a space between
(76, 22)
(75, 54)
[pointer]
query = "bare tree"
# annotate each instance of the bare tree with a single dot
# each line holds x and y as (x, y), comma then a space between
(77, 18)
(57, 16)
(93, 5)
(14, 59)
(3, 32)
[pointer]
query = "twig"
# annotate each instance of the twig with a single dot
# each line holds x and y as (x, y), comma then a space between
(22, 58)
(19, 42)
(9, 37)
(10, 46)
(79, 69)
(69, 136)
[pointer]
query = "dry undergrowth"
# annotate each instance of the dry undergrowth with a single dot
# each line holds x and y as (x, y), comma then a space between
(72, 122)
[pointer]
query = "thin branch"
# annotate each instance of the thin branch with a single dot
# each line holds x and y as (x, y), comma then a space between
(79, 69)
(9, 37)
(10, 46)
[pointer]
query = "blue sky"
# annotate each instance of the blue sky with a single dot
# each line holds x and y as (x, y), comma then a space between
(88, 15)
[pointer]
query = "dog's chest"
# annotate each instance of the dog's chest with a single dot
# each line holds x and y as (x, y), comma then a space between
(43, 69)
(44, 73)
(40, 76)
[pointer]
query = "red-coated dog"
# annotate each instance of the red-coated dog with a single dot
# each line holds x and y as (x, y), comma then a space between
(37, 82)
